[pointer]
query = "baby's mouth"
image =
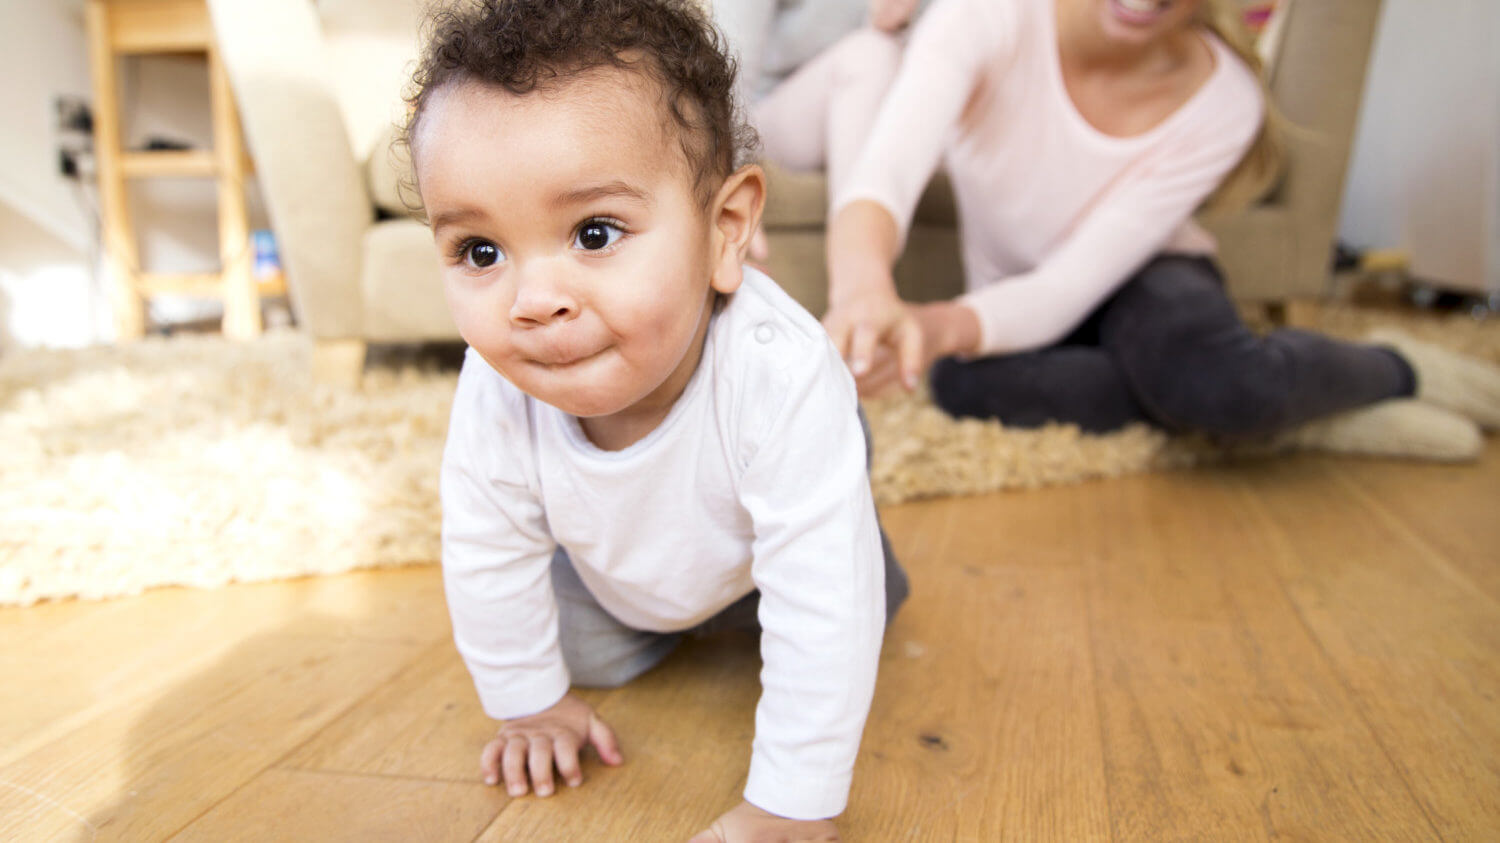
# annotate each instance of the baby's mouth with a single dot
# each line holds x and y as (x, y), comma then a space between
(559, 358)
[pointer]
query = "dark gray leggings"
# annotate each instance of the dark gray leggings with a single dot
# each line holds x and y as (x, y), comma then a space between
(1169, 349)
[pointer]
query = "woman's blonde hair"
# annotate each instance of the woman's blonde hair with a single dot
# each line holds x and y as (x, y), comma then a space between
(1260, 168)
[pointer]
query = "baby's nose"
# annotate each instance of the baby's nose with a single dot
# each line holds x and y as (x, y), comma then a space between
(542, 298)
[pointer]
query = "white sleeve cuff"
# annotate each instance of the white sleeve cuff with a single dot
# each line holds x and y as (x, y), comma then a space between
(989, 341)
(508, 700)
(796, 797)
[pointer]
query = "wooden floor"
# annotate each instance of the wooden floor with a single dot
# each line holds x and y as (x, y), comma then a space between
(1304, 649)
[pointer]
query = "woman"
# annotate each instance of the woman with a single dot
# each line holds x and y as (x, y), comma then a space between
(1080, 136)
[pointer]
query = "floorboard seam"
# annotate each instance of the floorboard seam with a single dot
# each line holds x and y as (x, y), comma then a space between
(1399, 522)
(1088, 615)
(1275, 529)
(281, 760)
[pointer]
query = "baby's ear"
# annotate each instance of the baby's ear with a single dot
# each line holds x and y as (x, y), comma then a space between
(736, 216)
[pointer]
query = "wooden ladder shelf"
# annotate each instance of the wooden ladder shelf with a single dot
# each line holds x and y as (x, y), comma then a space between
(119, 28)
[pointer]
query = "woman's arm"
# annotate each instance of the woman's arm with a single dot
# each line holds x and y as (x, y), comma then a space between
(942, 65)
(864, 312)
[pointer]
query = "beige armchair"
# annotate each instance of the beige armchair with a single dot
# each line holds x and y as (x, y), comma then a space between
(319, 91)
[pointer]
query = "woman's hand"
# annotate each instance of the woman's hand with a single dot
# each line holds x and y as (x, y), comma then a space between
(891, 15)
(875, 332)
(946, 328)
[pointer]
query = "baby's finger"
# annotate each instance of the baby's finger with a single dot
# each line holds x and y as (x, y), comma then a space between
(540, 763)
(513, 764)
(566, 749)
(604, 741)
(489, 760)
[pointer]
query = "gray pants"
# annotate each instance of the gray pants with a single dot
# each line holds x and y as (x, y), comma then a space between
(601, 652)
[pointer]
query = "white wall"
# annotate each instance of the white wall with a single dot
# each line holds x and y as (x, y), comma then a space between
(42, 54)
(1425, 171)
(48, 296)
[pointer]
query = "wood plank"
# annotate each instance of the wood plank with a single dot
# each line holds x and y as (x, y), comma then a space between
(1219, 709)
(1450, 508)
(168, 163)
(1298, 648)
(986, 686)
(159, 26)
(146, 768)
(1417, 649)
(425, 723)
(92, 657)
(200, 284)
(241, 297)
(120, 247)
(300, 805)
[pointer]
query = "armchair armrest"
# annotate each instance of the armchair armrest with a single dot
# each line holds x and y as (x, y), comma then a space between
(310, 178)
(1282, 248)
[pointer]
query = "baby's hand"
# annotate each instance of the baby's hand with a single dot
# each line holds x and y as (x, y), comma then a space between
(746, 823)
(527, 748)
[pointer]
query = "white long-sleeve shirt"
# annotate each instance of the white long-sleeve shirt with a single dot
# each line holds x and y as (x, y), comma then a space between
(1055, 214)
(755, 479)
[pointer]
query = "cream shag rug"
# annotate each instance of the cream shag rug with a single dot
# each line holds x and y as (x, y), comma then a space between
(198, 462)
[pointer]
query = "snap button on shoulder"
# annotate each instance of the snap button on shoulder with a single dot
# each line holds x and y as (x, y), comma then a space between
(764, 333)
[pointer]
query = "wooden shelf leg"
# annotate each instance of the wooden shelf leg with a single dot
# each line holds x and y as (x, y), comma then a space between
(123, 259)
(241, 299)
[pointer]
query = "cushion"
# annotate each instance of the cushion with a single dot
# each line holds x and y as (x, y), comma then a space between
(799, 199)
(401, 287)
(388, 175)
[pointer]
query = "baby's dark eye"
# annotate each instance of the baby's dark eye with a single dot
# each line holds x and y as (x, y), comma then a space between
(481, 254)
(597, 234)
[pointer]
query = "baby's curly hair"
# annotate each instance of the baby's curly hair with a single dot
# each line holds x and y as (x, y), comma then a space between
(524, 45)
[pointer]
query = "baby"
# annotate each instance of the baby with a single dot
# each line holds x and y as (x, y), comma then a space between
(647, 435)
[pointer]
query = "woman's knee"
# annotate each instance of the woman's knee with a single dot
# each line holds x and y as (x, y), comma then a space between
(1189, 359)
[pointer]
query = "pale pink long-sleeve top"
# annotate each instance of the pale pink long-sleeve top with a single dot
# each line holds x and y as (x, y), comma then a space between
(1054, 213)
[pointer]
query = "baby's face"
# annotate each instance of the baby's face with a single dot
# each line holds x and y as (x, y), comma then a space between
(576, 254)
